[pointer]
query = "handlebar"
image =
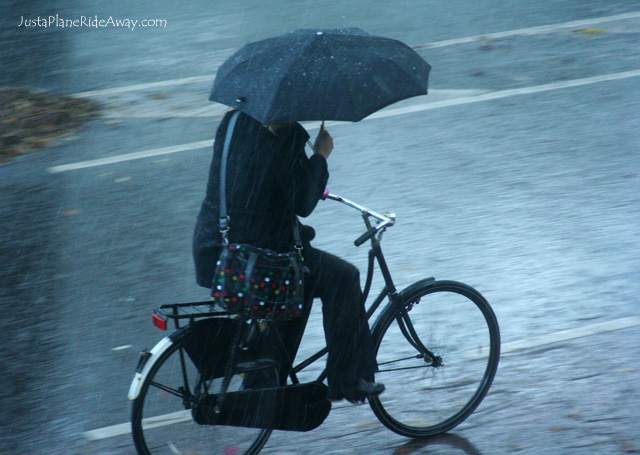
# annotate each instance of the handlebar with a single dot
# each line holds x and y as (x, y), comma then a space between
(364, 237)
(385, 221)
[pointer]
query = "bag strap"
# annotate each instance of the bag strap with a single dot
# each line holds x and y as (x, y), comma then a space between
(297, 240)
(223, 222)
(224, 219)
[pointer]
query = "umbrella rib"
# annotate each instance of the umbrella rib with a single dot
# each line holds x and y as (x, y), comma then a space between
(337, 71)
(278, 84)
(349, 82)
(413, 78)
(278, 89)
(408, 76)
(393, 100)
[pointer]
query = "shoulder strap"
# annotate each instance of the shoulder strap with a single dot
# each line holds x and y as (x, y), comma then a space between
(297, 240)
(224, 217)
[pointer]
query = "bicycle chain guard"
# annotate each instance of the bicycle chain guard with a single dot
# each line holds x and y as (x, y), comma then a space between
(298, 407)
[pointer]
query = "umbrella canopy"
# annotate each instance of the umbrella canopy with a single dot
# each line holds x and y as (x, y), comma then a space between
(331, 74)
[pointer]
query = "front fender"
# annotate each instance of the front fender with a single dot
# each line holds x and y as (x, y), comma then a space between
(147, 360)
(400, 297)
(414, 287)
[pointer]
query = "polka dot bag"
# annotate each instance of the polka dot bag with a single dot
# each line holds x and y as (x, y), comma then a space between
(259, 283)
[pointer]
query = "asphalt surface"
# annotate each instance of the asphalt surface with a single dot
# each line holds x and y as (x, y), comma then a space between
(533, 198)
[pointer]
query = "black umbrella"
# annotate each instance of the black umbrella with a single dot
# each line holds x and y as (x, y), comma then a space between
(336, 74)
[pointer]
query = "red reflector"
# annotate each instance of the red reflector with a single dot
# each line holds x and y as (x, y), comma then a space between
(159, 321)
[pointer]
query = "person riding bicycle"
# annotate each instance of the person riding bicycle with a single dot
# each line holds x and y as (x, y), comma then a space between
(271, 181)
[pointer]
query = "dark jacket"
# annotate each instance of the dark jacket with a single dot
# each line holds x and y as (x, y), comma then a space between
(270, 180)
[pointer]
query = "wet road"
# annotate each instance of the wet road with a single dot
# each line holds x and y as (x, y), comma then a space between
(530, 194)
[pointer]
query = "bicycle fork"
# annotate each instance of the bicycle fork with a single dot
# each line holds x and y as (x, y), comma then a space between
(409, 332)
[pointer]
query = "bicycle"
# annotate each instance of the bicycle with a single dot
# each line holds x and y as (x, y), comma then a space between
(228, 377)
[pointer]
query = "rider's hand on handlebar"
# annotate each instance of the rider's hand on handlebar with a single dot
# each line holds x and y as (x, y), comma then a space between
(324, 142)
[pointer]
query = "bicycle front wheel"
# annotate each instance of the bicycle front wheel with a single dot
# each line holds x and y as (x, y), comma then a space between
(162, 421)
(437, 353)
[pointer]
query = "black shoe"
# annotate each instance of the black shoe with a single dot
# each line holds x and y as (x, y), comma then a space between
(358, 393)
(369, 388)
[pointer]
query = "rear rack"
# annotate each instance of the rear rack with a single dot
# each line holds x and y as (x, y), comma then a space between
(181, 311)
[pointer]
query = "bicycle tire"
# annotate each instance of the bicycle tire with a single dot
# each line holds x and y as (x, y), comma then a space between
(137, 411)
(403, 306)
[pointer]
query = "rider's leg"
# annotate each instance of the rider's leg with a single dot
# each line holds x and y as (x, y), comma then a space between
(351, 357)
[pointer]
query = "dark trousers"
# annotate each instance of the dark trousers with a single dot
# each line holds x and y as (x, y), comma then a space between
(351, 352)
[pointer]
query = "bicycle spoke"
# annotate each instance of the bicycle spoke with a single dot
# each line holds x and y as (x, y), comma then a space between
(426, 365)
(167, 389)
(417, 356)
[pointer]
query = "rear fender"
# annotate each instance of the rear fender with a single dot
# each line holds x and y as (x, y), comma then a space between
(145, 363)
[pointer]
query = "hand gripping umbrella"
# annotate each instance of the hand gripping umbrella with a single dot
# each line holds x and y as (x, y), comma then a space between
(335, 74)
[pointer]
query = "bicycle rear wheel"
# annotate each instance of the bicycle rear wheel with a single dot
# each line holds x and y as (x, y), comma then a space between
(162, 422)
(438, 353)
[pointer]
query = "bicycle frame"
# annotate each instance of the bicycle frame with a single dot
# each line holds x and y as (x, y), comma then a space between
(374, 234)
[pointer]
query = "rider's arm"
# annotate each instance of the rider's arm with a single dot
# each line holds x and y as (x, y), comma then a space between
(303, 179)
(311, 176)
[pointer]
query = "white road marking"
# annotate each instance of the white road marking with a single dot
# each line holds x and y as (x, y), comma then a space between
(132, 156)
(495, 95)
(148, 423)
(537, 30)
(513, 346)
(121, 348)
(488, 96)
(570, 334)
(145, 86)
